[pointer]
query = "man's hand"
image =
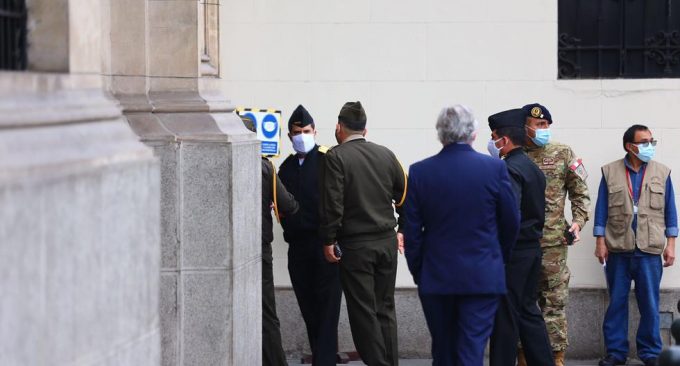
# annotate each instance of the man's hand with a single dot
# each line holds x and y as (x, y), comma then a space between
(669, 253)
(329, 253)
(601, 251)
(400, 243)
(576, 229)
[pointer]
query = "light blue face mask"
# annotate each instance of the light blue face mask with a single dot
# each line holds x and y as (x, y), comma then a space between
(493, 150)
(645, 153)
(542, 136)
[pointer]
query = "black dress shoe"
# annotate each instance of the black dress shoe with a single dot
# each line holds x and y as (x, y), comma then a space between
(610, 360)
(650, 361)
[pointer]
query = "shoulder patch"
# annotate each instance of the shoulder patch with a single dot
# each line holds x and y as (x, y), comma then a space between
(577, 167)
(323, 149)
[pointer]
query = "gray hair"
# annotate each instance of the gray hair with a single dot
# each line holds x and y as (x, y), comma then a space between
(456, 124)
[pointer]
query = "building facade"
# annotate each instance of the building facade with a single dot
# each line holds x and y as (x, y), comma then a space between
(405, 61)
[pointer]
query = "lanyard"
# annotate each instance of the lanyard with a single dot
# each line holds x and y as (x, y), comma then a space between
(276, 204)
(630, 185)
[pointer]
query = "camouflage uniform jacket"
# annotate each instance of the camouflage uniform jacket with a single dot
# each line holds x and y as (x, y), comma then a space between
(564, 173)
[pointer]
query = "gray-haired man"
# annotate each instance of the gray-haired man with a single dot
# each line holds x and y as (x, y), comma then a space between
(462, 221)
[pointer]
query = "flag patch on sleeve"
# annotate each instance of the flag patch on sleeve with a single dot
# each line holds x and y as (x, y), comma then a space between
(578, 169)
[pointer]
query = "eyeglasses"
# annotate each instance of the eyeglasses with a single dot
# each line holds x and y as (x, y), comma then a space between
(646, 143)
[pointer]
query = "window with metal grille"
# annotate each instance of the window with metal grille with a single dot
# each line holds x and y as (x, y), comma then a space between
(618, 39)
(12, 34)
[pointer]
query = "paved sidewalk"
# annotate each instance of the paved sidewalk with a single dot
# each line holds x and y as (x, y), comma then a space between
(413, 362)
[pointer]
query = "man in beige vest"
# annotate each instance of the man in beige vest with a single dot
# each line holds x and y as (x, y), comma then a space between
(635, 224)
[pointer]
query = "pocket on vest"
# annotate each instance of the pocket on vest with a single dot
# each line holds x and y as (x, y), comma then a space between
(616, 229)
(657, 237)
(656, 196)
(617, 224)
(616, 200)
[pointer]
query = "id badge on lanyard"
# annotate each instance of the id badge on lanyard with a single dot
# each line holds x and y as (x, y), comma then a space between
(632, 193)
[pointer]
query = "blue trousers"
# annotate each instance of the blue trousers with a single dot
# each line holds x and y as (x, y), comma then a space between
(460, 326)
(645, 270)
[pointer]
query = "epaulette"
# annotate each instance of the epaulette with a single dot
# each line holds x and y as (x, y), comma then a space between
(323, 149)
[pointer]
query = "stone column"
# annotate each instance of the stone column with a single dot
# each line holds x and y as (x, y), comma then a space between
(211, 187)
(79, 206)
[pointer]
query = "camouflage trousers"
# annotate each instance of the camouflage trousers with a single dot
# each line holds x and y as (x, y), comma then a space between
(553, 290)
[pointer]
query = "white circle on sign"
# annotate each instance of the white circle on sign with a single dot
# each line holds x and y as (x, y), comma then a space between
(269, 126)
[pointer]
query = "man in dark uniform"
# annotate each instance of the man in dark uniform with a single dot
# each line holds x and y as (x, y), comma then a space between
(361, 182)
(518, 315)
(274, 195)
(315, 281)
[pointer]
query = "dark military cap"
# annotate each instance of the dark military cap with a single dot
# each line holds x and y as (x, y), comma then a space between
(300, 117)
(510, 118)
(537, 111)
(353, 116)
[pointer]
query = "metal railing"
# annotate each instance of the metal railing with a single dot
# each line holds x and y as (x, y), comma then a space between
(618, 39)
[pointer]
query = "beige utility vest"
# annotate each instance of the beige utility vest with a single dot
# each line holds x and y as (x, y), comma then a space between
(651, 225)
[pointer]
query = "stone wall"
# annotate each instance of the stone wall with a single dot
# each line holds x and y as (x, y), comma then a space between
(585, 312)
(406, 60)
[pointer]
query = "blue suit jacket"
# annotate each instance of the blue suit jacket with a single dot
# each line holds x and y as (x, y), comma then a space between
(462, 221)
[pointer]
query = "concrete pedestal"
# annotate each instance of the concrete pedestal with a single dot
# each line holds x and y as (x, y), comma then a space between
(79, 227)
(211, 260)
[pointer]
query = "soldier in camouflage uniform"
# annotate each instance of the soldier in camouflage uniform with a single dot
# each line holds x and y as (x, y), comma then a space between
(565, 174)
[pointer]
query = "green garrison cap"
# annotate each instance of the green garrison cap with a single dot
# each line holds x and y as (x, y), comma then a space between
(353, 116)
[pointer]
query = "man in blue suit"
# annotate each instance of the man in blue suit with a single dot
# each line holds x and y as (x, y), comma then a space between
(462, 220)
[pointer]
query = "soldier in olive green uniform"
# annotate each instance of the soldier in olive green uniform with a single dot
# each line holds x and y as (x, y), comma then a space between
(360, 184)
(565, 174)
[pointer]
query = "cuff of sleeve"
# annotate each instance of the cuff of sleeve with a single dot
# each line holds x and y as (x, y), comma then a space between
(671, 232)
(326, 240)
(598, 231)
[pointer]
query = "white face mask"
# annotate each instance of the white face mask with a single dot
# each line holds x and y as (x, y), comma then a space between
(303, 143)
(493, 150)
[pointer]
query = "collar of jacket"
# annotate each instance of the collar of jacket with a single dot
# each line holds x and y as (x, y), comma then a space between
(533, 148)
(457, 147)
(629, 165)
(353, 138)
(308, 153)
(515, 151)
